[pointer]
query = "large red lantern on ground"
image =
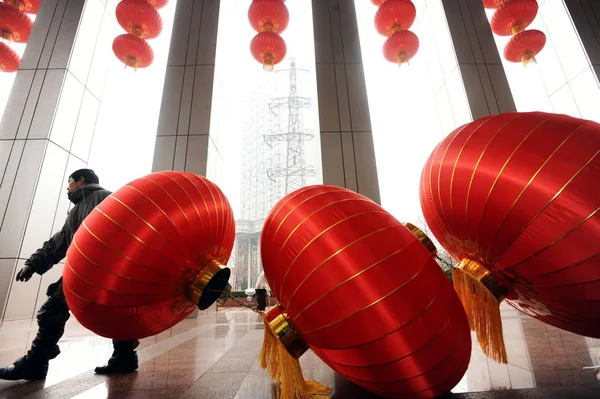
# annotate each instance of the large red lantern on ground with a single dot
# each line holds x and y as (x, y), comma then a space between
(514, 17)
(362, 291)
(9, 59)
(401, 47)
(515, 199)
(524, 46)
(28, 6)
(15, 25)
(139, 18)
(148, 255)
(268, 16)
(269, 49)
(133, 51)
(394, 16)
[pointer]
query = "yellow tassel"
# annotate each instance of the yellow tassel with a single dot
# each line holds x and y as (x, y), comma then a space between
(285, 370)
(472, 283)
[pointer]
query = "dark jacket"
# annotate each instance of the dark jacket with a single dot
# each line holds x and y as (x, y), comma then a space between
(55, 249)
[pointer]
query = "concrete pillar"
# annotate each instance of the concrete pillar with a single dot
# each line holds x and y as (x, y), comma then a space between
(585, 15)
(468, 79)
(183, 139)
(347, 151)
(45, 134)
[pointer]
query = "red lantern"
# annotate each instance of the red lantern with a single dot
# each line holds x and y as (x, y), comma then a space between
(493, 3)
(514, 198)
(268, 48)
(133, 51)
(401, 47)
(29, 6)
(268, 16)
(524, 46)
(15, 25)
(513, 17)
(148, 255)
(9, 59)
(359, 289)
(138, 17)
(394, 16)
(158, 4)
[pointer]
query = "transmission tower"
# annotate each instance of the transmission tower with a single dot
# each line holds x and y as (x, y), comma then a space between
(295, 171)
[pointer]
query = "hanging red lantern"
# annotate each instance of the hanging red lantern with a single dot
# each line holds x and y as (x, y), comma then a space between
(268, 16)
(269, 49)
(524, 46)
(158, 4)
(139, 18)
(394, 16)
(133, 51)
(515, 199)
(401, 47)
(360, 290)
(493, 3)
(513, 17)
(15, 25)
(28, 6)
(9, 59)
(148, 255)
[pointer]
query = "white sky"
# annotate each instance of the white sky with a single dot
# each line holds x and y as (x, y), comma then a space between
(405, 123)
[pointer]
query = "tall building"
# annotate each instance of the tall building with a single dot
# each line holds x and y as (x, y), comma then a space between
(273, 163)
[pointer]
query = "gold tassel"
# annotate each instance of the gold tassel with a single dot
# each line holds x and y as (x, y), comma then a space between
(285, 369)
(481, 293)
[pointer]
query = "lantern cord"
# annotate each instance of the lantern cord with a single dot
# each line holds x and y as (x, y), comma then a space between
(226, 294)
(483, 312)
(285, 370)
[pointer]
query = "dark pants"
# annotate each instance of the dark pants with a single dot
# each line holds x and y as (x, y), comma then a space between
(52, 317)
(261, 298)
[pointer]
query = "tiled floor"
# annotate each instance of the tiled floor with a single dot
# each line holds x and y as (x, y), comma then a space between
(214, 356)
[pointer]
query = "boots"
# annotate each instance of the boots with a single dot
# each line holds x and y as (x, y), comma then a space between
(51, 318)
(123, 360)
(25, 368)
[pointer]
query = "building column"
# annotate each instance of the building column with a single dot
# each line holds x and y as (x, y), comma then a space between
(45, 134)
(183, 139)
(348, 155)
(585, 15)
(468, 79)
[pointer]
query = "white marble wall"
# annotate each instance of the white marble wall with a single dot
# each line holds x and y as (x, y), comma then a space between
(347, 151)
(45, 134)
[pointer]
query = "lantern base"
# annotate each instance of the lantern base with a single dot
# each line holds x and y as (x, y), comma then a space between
(279, 356)
(481, 293)
(425, 240)
(208, 285)
(278, 323)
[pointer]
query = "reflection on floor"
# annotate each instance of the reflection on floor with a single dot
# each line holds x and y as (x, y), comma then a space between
(214, 356)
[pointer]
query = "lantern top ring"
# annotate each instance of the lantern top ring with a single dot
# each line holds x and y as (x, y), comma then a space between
(421, 236)
(208, 284)
(279, 324)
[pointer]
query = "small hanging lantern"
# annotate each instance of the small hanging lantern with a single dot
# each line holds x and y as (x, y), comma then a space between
(269, 49)
(524, 46)
(139, 18)
(401, 47)
(9, 59)
(15, 25)
(133, 51)
(514, 17)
